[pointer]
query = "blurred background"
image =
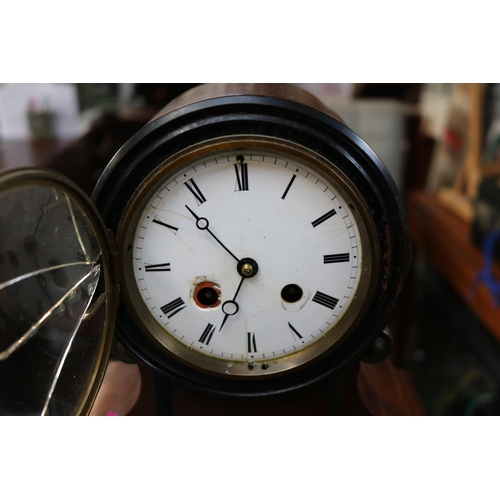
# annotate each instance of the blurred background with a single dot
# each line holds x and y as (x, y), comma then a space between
(440, 142)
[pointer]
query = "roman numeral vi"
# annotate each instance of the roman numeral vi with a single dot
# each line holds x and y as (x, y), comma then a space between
(252, 344)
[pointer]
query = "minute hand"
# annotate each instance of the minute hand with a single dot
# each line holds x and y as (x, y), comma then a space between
(202, 223)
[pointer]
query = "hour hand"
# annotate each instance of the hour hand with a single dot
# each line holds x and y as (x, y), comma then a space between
(202, 223)
(247, 268)
(231, 307)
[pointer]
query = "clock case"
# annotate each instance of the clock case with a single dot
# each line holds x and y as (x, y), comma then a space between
(288, 113)
(215, 111)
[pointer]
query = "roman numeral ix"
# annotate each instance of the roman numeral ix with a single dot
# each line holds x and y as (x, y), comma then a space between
(157, 267)
(173, 307)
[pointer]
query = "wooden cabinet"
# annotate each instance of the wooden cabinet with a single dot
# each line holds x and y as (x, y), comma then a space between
(83, 158)
(444, 239)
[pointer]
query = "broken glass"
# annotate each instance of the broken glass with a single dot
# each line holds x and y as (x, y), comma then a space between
(49, 273)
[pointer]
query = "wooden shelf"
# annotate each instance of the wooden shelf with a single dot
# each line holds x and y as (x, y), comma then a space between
(82, 158)
(445, 240)
(40, 153)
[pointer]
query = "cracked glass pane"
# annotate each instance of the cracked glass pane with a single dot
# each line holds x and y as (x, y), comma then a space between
(80, 366)
(49, 272)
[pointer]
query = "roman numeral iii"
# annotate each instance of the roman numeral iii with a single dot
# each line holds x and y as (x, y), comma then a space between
(335, 257)
(325, 300)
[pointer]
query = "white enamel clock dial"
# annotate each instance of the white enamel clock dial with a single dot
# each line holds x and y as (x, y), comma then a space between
(295, 232)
